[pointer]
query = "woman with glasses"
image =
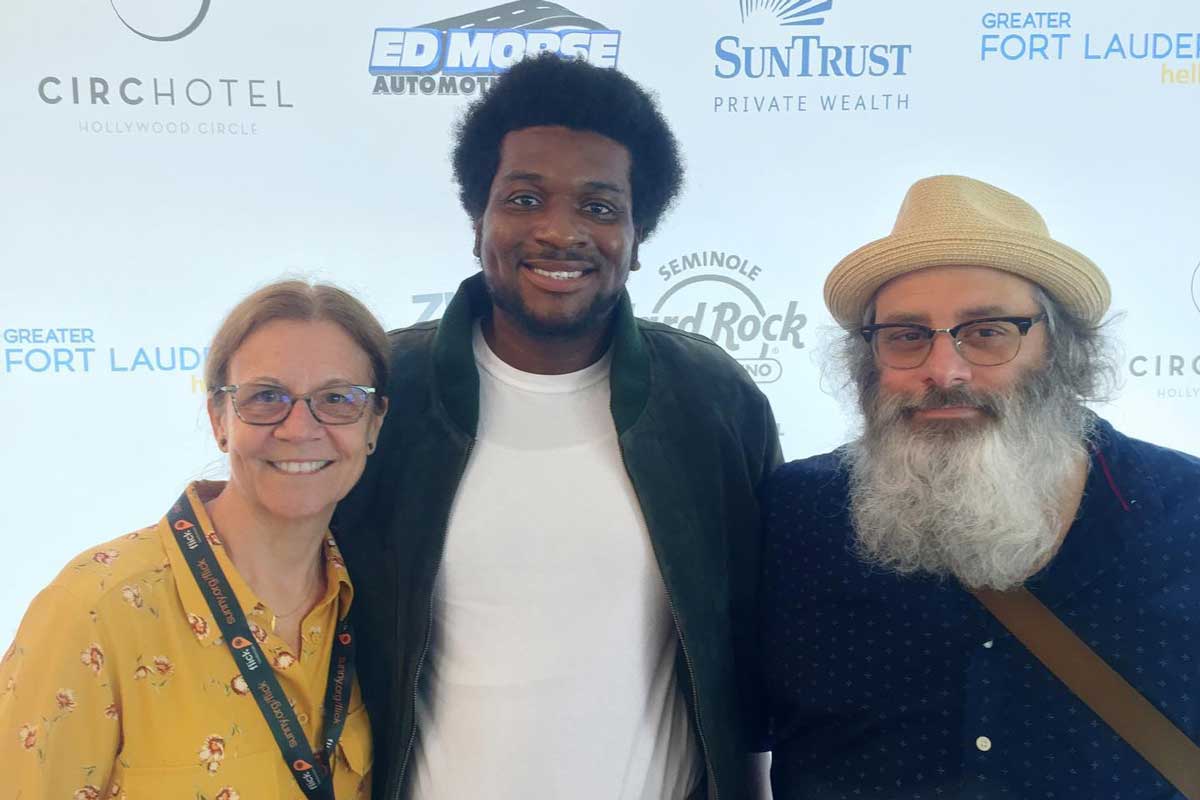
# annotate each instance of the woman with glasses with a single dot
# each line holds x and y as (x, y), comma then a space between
(212, 655)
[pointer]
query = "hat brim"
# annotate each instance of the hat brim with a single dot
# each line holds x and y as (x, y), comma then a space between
(1067, 275)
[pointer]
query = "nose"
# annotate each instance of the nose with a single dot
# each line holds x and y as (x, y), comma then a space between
(945, 367)
(299, 424)
(559, 227)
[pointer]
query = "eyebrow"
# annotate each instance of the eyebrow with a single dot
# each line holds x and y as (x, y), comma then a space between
(963, 315)
(588, 186)
(516, 175)
(603, 186)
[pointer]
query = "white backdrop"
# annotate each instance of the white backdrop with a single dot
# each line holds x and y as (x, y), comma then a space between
(133, 220)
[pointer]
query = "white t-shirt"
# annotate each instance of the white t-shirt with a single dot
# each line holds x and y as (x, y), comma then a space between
(551, 672)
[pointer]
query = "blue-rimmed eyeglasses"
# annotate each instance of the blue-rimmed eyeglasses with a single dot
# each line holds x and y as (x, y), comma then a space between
(267, 404)
(986, 342)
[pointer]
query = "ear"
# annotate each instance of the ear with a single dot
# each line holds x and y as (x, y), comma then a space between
(376, 422)
(216, 418)
(634, 264)
(478, 237)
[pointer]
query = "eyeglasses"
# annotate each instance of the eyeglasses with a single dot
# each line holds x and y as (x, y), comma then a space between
(985, 342)
(266, 404)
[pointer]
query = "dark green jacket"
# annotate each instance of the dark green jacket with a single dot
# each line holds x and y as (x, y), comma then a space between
(697, 438)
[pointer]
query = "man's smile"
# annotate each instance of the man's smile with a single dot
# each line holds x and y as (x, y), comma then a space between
(555, 275)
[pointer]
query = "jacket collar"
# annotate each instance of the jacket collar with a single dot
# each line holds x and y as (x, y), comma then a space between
(456, 378)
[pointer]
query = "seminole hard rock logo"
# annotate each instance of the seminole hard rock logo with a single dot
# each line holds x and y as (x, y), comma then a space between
(712, 293)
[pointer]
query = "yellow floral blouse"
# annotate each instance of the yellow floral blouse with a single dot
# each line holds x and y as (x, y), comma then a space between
(119, 686)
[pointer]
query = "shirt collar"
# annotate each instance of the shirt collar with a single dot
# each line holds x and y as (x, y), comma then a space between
(338, 588)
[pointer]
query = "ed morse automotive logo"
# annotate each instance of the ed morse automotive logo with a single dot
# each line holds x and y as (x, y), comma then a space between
(462, 55)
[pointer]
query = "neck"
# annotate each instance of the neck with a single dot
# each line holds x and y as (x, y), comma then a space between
(281, 560)
(543, 355)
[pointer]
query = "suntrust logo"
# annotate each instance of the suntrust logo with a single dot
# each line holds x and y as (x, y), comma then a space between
(711, 292)
(462, 55)
(805, 55)
(800, 12)
(778, 39)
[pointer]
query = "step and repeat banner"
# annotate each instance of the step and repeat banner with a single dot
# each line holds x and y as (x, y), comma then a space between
(161, 158)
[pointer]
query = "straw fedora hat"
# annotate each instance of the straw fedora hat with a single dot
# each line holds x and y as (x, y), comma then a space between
(951, 220)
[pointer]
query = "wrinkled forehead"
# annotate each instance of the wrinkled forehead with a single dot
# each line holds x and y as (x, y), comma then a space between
(953, 293)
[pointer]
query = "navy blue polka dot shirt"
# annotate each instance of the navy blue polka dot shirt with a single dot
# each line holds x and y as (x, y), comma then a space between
(883, 686)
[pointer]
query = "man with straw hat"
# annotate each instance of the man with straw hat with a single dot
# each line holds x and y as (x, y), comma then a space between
(991, 592)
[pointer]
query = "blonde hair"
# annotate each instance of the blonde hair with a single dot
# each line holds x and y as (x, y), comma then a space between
(302, 301)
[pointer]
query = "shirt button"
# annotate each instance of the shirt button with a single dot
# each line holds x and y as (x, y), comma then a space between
(989, 643)
(983, 743)
(302, 718)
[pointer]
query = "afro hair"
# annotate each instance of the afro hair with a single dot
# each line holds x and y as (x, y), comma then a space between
(551, 90)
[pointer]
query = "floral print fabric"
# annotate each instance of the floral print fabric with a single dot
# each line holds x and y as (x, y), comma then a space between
(119, 685)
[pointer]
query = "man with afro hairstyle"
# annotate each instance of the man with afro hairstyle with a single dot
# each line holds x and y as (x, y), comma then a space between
(555, 546)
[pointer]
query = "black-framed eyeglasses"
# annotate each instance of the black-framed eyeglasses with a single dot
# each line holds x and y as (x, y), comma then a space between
(267, 404)
(986, 342)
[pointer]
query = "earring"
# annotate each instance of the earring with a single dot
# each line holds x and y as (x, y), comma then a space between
(221, 443)
(370, 447)
(635, 266)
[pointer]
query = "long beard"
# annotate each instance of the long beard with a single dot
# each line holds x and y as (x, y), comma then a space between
(979, 500)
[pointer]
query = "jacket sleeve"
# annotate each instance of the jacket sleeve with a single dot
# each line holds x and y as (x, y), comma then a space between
(772, 452)
(59, 717)
(764, 455)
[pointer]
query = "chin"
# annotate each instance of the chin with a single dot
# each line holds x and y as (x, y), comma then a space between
(557, 322)
(295, 514)
(300, 505)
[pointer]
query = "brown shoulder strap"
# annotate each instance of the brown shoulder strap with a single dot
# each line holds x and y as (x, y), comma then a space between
(1093, 681)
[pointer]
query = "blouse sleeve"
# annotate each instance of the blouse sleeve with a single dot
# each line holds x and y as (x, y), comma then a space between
(59, 715)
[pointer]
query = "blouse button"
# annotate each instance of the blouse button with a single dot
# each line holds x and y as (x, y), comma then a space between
(302, 718)
(983, 743)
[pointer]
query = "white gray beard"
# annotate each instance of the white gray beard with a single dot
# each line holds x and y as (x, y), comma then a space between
(979, 501)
